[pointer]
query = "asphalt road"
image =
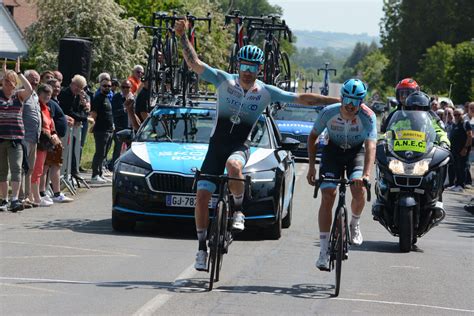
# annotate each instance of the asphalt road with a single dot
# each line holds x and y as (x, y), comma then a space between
(66, 260)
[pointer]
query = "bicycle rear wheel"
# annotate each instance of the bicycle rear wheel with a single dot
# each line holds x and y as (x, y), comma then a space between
(232, 69)
(269, 68)
(283, 78)
(214, 238)
(339, 248)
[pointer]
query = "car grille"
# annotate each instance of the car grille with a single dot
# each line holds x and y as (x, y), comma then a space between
(403, 181)
(164, 182)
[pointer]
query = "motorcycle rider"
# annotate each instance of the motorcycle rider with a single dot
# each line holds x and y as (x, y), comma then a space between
(403, 89)
(352, 132)
(418, 101)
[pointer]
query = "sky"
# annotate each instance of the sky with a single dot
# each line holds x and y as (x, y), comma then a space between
(354, 17)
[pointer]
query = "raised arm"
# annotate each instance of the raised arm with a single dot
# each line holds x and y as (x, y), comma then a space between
(27, 89)
(315, 99)
(189, 53)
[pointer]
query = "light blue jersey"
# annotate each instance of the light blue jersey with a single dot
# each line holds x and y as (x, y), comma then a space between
(239, 110)
(343, 133)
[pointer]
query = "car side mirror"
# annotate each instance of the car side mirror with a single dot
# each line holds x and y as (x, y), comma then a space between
(290, 144)
(125, 136)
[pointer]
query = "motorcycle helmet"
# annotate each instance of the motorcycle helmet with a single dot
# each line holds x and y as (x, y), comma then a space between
(417, 101)
(404, 88)
(353, 91)
(251, 53)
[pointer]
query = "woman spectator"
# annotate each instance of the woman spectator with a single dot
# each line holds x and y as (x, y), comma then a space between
(48, 141)
(12, 131)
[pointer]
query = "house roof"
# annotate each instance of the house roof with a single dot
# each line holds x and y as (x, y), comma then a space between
(12, 42)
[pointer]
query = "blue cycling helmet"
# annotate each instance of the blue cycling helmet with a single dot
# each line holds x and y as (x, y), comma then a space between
(251, 53)
(354, 88)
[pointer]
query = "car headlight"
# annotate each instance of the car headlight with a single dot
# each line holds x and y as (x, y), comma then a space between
(131, 170)
(418, 168)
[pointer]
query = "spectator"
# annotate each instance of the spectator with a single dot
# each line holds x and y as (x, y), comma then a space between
(142, 105)
(32, 123)
(48, 141)
(461, 140)
(46, 76)
(75, 103)
(56, 85)
(448, 119)
(101, 77)
(52, 166)
(120, 117)
(434, 103)
(133, 119)
(58, 76)
(115, 85)
(469, 116)
(12, 132)
(101, 113)
(136, 78)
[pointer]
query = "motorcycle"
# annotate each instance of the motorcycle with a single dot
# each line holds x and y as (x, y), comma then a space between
(410, 174)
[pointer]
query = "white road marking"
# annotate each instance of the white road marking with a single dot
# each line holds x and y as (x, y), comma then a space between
(405, 267)
(30, 287)
(59, 256)
(68, 247)
(160, 299)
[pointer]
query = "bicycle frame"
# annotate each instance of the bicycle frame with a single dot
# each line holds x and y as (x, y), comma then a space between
(325, 88)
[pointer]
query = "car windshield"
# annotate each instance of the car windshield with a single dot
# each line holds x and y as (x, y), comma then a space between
(410, 131)
(293, 113)
(192, 125)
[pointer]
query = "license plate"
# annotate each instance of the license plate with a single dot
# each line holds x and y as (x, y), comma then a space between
(186, 201)
(302, 145)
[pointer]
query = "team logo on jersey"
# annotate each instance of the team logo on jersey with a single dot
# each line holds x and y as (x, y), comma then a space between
(253, 107)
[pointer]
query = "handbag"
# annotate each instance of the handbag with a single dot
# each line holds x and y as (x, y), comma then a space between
(45, 143)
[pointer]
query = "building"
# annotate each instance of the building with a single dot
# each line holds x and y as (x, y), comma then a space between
(12, 41)
(23, 12)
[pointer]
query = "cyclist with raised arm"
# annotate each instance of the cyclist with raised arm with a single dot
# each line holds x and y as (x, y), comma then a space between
(352, 132)
(241, 100)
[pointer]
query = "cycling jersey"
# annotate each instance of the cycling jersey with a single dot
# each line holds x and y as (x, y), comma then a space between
(239, 110)
(343, 133)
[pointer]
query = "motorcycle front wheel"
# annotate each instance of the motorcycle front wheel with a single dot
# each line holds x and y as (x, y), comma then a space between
(405, 228)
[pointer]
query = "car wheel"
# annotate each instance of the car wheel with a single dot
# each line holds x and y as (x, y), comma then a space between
(122, 225)
(286, 223)
(274, 231)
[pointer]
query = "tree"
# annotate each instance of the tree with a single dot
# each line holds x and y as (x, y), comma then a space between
(372, 69)
(142, 10)
(250, 7)
(462, 72)
(434, 68)
(114, 49)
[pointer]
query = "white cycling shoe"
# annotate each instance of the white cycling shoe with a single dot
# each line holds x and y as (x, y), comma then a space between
(201, 261)
(238, 222)
(356, 235)
(323, 261)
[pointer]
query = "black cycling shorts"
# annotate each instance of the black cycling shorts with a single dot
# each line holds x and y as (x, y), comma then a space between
(214, 163)
(335, 159)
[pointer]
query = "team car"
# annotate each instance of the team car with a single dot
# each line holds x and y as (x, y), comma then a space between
(154, 178)
(296, 121)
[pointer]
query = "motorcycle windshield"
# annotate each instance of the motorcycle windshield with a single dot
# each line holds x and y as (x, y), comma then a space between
(410, 134)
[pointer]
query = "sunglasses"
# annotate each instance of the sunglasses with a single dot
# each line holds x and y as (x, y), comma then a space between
(126, 87)
(349, 100)
(246, 67)
(106, 86)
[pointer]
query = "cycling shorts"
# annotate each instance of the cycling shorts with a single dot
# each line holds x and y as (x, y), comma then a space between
(217, 156)
(335, 159)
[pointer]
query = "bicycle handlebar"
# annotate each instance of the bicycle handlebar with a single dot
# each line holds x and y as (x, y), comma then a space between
(345, 182)
(138, 27)
(247, 180)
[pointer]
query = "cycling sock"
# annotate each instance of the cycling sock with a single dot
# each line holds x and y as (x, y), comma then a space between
(355, 220)
(238, 199)
(202, 236)
(42, 194)
(323, 241)
(57, 194)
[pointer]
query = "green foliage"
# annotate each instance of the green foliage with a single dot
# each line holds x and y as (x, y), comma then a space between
(434, 68)
(410, 27)
(250, 7)
(462, 72)
(114, 49)
(371, 69)
(142, 10)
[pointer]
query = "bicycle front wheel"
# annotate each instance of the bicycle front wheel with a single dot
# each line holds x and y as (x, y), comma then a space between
(339, 249)
(214, 238)
(224, 219)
